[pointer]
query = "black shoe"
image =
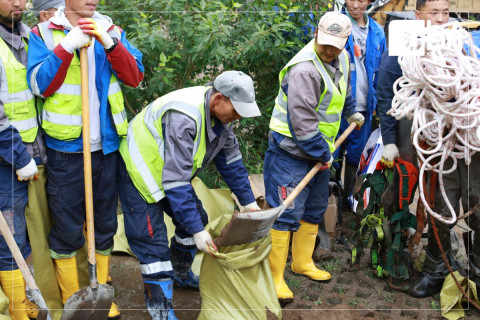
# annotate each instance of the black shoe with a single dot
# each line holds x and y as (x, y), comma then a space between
(427, 285)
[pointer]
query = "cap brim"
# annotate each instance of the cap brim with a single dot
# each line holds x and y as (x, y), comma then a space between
(246, 109)
(327, 39)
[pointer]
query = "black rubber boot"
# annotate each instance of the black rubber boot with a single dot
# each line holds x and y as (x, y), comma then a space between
(427, 285)
(182, 258)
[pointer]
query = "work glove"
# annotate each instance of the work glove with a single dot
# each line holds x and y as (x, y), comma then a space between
(28, 172)
(203, 240)
(358, 118)
(390, 153)
(329, 163)
(90, 27)
(252, 206)
(76, 39)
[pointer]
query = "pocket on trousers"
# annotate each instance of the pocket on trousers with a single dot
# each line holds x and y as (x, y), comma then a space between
(52, 189)
(283, 183)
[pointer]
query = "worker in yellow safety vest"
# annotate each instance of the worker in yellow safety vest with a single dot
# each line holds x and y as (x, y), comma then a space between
(22, 151)
(167, 144)
(54, 73)
(314, 92)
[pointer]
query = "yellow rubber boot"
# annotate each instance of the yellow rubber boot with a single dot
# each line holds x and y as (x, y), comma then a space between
(103, 269)
(13, 286)
(67, 276)
(278, 260)
(303, 245)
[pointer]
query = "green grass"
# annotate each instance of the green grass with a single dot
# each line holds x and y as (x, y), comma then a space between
(294, 282)
(340, 289)
(317, 287)
(354, 302)
(435, 306)
(330, 265)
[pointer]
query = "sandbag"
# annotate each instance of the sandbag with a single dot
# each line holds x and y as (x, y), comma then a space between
(237, 283)
(3, 306)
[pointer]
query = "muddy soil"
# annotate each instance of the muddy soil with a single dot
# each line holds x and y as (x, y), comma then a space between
(352, 293)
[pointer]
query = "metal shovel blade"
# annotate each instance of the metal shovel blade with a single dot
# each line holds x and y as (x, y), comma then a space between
(246, 227)
(89, 303)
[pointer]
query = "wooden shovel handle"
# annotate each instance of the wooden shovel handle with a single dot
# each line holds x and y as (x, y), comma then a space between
(87, 156)
(318, 167)
(17, 255)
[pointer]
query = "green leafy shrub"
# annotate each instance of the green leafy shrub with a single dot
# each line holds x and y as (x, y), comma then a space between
(187, 43)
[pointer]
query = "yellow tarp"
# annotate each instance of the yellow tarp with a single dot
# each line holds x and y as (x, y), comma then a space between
(451, 297)
(237, 283)
(3, 306)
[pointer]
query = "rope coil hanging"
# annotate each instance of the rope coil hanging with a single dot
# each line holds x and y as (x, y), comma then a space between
(440, 91)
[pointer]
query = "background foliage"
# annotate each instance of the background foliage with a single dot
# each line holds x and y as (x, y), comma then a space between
(188, 42)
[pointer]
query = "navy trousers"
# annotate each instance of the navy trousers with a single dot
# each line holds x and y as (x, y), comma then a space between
(66, 200)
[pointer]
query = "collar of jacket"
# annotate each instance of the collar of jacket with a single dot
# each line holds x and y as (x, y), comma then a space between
(15, 40)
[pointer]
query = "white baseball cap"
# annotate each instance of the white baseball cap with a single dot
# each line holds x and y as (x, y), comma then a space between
(238, 87)
(334, 29)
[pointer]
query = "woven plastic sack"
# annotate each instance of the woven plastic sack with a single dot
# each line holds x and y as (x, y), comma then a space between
(3, 306)
(237, 283)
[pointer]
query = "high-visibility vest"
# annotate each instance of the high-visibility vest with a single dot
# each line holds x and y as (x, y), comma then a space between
(18, 101)
(62, 111)
(144, 149)
(330, 104)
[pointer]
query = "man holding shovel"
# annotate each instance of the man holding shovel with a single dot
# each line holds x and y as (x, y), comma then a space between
(54, 73)
(314, 91)
(21, 149)
(167, 144)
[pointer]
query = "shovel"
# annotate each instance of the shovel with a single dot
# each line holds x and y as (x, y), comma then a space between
(246, 227)
(43, 313)
(93, 302)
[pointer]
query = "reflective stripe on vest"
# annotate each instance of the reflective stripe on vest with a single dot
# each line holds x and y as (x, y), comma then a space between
(144, 150)
(18, 101)
(330, 105)
(62, 111)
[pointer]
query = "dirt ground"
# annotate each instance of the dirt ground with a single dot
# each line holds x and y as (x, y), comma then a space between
(352, 293)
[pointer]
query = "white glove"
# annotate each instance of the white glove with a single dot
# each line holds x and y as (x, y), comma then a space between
(28, 172)
(390, 153)
(252, 206)
(75, 39)
(358, 118)
(90, 26)
(330, 162)
(202, 240)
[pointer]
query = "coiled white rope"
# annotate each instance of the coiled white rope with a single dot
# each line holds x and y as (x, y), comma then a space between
(440, 91)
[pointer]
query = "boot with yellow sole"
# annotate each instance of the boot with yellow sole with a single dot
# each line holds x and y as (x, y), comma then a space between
(67, 276)
(13, 286)
(303, 244)
(278, 260)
